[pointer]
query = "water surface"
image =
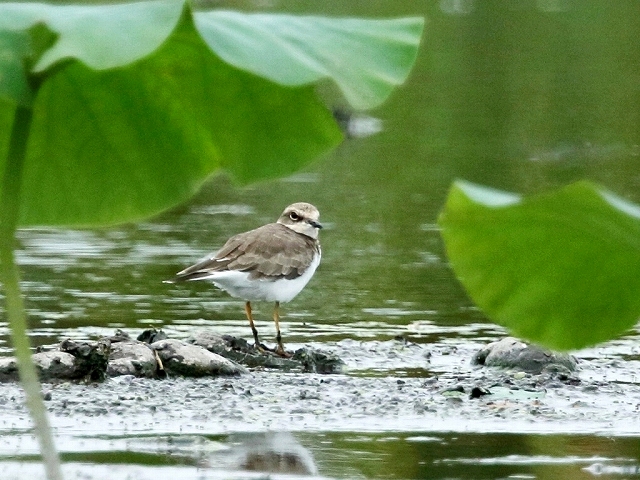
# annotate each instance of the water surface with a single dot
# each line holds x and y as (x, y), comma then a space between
(522, 96)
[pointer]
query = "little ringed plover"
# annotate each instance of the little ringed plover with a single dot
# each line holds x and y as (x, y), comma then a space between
(272, 263)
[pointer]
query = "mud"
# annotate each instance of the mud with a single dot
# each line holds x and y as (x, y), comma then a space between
(428, 395)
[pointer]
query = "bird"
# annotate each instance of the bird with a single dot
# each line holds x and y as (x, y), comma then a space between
(271, 263)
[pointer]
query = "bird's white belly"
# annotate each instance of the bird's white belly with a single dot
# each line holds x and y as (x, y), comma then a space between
(237, 284)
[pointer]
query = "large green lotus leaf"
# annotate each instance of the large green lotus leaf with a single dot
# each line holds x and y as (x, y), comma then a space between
(366, 58)
(140, 113)
(121, 144)
(14, 47)
(101, 36)
(560, 269)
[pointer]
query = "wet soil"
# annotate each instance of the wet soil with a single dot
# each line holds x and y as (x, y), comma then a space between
(393, 385)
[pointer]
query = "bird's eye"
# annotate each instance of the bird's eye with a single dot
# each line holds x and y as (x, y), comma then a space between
(294, 216)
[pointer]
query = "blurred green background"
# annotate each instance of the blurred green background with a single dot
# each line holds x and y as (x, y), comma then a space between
(518, 95)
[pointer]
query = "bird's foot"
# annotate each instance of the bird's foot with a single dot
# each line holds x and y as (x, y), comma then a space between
(280, 351)
(262, 348)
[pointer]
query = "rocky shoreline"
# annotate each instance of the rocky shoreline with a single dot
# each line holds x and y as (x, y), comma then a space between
(153, 355)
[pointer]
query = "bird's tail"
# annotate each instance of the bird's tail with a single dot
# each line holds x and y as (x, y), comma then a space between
(188, 277)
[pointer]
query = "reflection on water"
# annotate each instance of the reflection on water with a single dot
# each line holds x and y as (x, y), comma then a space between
(520, 96)
(274, 453)
(343, 455)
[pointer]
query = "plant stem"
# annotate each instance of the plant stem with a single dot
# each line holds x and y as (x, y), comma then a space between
(10, 278)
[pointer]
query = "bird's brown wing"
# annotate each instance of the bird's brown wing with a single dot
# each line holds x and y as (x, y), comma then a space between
(272, 251)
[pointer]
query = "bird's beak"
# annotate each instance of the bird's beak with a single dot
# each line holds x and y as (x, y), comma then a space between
(315, 224)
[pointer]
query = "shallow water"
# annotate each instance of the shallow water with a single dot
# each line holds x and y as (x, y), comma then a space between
(389, 415)
(521, 97)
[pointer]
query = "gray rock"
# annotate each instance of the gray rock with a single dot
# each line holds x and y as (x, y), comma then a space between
(91, 358)
(515, 354)
(56, 365)
(193, 361)
(132, 358)
(316, 361)
(8, 369)
(151, 335)
(205, 354)
(50, 365)
(72, 360)
(240, 351)
(210, 340)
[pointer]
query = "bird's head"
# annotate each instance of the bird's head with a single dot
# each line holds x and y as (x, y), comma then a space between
(302, 218)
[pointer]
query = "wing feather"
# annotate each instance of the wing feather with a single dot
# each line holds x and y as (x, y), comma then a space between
(272, 251)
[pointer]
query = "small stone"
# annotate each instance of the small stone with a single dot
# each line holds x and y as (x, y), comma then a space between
(8, 369)
(91, 358)
(119, 336)
(240, 351)
(315, 361)
(516, 354)
(132, 358)
(151, 335)
(193, 361)
(477, 392)
(56, 365)
(453, 391)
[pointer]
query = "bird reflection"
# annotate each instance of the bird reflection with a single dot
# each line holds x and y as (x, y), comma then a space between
(273, 453)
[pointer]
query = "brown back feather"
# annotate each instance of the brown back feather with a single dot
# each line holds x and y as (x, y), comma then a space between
(275, 242)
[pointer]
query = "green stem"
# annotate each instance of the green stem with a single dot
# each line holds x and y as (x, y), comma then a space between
(10, 278)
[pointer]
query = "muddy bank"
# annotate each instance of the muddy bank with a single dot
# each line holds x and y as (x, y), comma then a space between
(433, 388)
(153, 355)
(206, 354)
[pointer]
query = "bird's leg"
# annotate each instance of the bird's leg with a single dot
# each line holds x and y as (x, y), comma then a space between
(247, 310)
(276, 318)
